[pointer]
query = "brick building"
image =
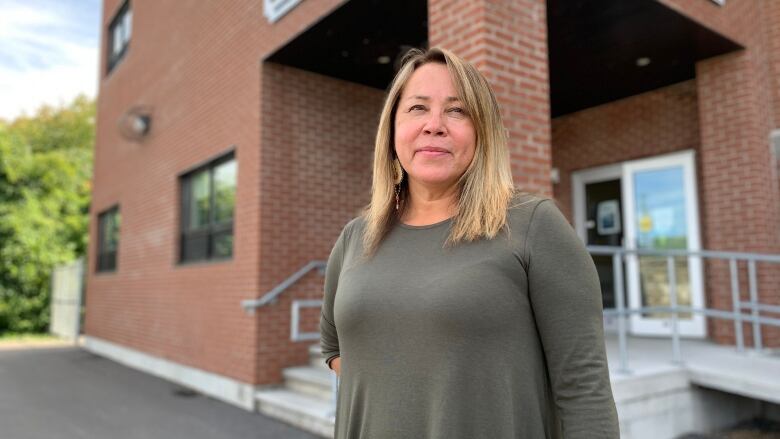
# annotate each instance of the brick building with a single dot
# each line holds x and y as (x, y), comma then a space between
(234, 140)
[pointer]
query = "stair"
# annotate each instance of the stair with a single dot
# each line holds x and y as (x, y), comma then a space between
(306, 398)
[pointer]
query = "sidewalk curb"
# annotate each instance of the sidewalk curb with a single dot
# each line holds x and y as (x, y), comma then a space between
(8, 345)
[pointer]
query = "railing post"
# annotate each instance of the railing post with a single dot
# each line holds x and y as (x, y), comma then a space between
(617, 270)
(672, 276)
(295, 320)
(737, 307)
(757, 342)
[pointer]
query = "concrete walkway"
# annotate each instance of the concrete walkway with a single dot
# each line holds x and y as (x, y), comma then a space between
(704, 363)
(67, 392)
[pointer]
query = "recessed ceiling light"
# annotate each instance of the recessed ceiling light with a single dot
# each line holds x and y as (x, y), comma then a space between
(384, 59)
(643, 61)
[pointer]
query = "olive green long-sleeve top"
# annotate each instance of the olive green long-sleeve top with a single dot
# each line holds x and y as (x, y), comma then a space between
(493, 339)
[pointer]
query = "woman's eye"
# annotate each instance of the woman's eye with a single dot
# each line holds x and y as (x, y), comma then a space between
(416, 107)
(458, 110)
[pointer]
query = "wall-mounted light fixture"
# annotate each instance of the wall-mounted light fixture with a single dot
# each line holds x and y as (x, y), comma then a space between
(643, 61)
(136, 122)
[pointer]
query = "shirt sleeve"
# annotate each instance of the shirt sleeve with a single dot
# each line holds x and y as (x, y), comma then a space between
(329, 338)
(565, 295)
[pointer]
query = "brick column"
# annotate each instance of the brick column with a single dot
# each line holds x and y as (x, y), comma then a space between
(771, 15)
(740, 199)
(507, 41)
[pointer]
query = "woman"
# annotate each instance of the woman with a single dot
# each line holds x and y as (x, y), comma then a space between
(456, 306)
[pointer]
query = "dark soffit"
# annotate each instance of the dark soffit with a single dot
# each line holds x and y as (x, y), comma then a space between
(594, 46)
(348, 43)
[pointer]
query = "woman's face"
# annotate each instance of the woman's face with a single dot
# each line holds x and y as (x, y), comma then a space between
(434, 137)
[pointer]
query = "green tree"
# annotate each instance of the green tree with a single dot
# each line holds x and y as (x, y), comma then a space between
(45, 174)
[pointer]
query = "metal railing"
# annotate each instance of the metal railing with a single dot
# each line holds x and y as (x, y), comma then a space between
(270, 297)
(735, 314)
(295, 332)
(620, 311)
(296, 335)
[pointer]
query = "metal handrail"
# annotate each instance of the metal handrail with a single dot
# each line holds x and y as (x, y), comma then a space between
(761, 307)
(618, 253)
(297, 335)
(709, 312)
(607, 249)
(250, 305)
(736, 314)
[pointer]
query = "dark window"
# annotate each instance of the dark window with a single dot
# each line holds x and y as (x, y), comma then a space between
(208, 197)
(119, 35)
(108, 239)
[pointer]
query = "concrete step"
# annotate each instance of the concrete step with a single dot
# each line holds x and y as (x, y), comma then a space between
(306, 412)
(310, 380)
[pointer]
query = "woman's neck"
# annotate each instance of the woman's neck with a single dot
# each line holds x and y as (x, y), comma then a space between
(428, 205)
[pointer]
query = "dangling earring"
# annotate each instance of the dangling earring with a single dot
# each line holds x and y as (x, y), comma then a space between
(398, 177)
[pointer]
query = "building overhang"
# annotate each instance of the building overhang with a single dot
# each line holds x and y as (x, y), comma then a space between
(604, 50)
(599, 50)
(361, 41)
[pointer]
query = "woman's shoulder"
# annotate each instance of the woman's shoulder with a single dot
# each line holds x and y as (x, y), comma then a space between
(523, 205)
(355, 224)
(353, 228)
(528, 212)
(538, 218)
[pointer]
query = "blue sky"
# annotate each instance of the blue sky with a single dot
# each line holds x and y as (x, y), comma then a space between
(48, 53)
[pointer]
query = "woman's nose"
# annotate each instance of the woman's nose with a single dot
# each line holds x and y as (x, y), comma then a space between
(435, 124)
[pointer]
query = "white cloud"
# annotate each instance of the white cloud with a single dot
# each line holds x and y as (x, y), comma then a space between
(48, 54)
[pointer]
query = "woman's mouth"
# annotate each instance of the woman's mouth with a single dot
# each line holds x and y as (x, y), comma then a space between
(431, 151)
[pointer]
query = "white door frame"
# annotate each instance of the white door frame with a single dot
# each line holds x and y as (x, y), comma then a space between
(696, 326)
(586, 176)
(579, 180)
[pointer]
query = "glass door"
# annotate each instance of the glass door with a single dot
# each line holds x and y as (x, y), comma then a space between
(661, 212)
(598, 220)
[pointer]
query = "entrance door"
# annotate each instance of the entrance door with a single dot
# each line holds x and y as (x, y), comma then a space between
(648, 203)
(600, 222)
(661, 212)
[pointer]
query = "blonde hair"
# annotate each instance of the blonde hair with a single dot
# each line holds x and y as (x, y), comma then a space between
(485, 188)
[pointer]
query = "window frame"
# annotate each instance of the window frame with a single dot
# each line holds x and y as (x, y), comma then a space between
(113, 59)
(213, 228)
(100, 263)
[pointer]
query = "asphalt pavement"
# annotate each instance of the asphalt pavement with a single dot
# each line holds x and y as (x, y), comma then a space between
(69, 393)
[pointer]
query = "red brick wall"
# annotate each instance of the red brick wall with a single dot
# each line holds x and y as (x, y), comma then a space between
(316, 156)
(771, 15)
(771, 24)
(199, 68)
(507, 41)
(741, 197)
(770, 12)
